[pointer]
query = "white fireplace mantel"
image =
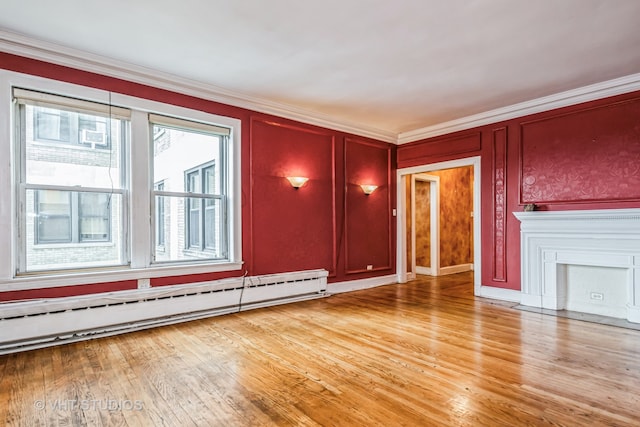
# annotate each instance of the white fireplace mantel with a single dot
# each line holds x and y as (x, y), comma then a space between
(550, 241)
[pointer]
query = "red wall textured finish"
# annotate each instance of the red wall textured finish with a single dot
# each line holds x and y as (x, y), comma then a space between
(65, 291)
(585, 156)
(282, 229)
(368, 217)
(458, 145)
(298, 224)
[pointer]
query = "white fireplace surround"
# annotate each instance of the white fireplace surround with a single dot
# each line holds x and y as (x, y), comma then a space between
(550, 241)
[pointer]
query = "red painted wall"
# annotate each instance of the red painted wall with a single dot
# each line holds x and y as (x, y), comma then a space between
(317, 226)
(368, 224)
(64, 291)
(585, 156)
(589, 155)
(299, 224)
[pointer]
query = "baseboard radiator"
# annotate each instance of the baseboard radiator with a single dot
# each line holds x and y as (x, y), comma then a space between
(39, 323)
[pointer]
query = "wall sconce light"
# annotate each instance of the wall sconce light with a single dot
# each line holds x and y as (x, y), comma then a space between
(368, 188)
(297, 181)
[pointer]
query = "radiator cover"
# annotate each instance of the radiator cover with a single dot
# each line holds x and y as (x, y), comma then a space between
(33, 324)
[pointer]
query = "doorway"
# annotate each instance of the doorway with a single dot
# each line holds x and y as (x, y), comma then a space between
(425, 181)
(424, 253)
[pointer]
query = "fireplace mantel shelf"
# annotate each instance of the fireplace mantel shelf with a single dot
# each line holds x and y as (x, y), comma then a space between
(615, 214)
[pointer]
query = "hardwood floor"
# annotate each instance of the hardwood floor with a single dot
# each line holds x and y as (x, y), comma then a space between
(422, 353)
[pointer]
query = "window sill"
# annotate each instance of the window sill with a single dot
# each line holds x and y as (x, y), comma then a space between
(87, 277)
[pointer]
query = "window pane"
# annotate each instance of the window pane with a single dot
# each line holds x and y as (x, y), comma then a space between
(66, 229)
(52, 125)
(160, 216)
(176, 238)
(69, 148)
(210, 221)
(194, 223)
(94, 212)
(188, 161)
(53, 216)
(193, 182)
(177, 152)
(211, 184)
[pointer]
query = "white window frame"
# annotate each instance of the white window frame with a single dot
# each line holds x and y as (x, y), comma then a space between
(139, 160)
(22, 185)
(189, 194)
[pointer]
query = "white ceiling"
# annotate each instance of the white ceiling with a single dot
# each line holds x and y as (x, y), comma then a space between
(390, 65)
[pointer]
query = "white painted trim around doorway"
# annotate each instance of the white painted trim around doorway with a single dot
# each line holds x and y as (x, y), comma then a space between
(434, 262)
(401, 246)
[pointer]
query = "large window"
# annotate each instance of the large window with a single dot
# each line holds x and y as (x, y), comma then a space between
(72, 182)
(189, 159)
(111, 187)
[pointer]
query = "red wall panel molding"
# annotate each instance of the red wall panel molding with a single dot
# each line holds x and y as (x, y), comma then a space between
(588, 155)
(292, 229)
(368, 238)
(582, 156)
(282, 229)
(424, 152)
(499, 186)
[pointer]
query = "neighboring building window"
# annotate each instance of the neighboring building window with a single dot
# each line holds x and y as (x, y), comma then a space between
(71, 192)
(160, 216)
(52, 125)
(93, 217)
(66, 127)
(53, 210)
(201, 226)
(194, 222)
(71, 217)
(195, 190)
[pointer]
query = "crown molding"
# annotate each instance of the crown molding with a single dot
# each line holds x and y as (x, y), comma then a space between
(592, 92)
(22, 45)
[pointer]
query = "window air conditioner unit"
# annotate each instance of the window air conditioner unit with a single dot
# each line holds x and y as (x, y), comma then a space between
(95, 138)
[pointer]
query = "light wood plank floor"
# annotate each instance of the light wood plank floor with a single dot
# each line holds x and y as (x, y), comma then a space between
(422, 353)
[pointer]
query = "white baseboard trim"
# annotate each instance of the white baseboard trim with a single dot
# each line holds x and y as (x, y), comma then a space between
(531, 300)
(633, 314)
(453, 269)
(424, 270)
(500, 293)
(356, 285)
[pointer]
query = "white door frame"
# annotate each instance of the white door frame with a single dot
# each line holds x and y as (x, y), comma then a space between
(434, 213)
(401, 240)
